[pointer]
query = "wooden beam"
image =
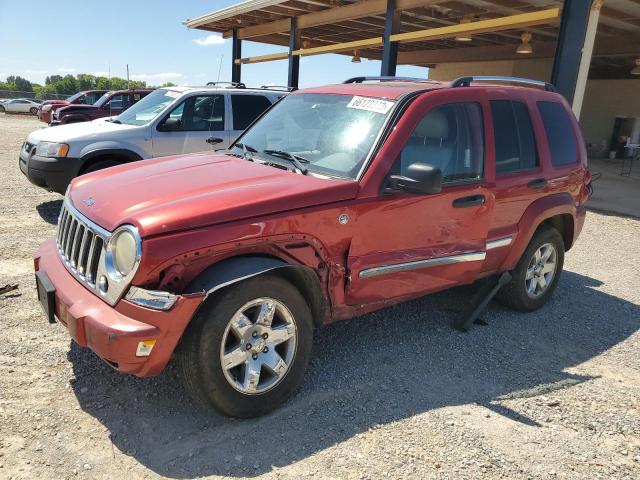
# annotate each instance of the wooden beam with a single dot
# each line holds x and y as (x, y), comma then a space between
(482, 26)
(343, 13)
(263, 58)
(340, 47)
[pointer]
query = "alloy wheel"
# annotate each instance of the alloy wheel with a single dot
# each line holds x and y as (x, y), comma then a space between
(541, 270)
(258, 346)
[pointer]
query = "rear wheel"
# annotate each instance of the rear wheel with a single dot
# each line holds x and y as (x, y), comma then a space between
(248, 347)
(536, 276)
(2, 109)
(33, 111)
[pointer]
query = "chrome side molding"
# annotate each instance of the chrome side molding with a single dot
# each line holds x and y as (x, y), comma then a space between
(499, 242)
(431, 262)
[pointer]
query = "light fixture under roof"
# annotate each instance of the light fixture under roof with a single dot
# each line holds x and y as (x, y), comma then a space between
(356, 57)
(636, 70)
(525, 47)
(464, 37)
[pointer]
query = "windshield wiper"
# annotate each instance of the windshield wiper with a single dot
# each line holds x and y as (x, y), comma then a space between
(114, 120)
(246, 150)
(296, 160)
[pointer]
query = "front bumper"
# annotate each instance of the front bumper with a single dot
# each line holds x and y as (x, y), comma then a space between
(113, 333)
(54, 174)
(44, 116)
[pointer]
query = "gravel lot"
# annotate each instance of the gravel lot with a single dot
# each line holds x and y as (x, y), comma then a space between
(397, 394)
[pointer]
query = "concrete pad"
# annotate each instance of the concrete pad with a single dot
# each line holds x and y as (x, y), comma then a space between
(614, 193)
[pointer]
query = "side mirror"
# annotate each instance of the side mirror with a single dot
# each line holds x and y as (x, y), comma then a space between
(170, 124)
(420, 178)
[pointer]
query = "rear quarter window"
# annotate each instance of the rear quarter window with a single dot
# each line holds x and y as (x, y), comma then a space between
(560, 137)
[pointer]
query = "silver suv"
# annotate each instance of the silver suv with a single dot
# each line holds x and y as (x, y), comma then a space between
(169, 121)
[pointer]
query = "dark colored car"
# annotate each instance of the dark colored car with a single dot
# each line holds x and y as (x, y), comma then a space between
(110, 104)
(88, 97)
(338, 201)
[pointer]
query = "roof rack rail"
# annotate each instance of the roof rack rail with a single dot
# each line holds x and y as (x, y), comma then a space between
(283, 88)
(386, 79)
(466, 81)
(227, 84)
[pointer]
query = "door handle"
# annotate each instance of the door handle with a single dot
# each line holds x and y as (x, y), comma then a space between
(538, 183)
(472, 201)
(214, 140)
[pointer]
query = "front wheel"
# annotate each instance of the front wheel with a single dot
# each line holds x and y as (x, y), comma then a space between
(2, 109)
(536, 276)
(33, 111)
(248, 347)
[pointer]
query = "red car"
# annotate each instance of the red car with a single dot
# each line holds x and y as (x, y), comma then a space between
(88, 97)
(338, 201)
(110, 104)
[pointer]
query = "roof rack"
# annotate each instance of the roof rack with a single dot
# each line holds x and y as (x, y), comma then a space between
(283, 88)
(466, 81)
(227, 84)
(387, 79)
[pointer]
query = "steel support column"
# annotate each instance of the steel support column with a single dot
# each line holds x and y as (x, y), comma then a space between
(566, 63)
(389, 48)
(294, 60)
(236, 54)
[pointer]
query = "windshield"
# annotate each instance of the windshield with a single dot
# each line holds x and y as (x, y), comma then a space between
(73, 98)
(148, 108)
(334, 133)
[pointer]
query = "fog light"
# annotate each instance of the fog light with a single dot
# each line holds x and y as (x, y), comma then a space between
(144, 348)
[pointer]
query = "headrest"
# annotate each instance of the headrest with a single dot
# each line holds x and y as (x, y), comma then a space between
(433, 125)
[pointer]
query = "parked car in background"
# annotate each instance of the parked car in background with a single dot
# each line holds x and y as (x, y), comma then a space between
(20, 105)
(112, 103)
(169, 121)
(88, 97)
(340, 200)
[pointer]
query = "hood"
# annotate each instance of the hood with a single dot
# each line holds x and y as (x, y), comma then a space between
(55, 102)
(77, 131)
(191, 191)
(72, 107)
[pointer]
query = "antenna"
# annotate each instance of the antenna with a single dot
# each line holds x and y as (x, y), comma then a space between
(219, 67)
(127, 76)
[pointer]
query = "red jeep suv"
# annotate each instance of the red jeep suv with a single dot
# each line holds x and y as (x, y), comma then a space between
(88, 97)
(339, 200)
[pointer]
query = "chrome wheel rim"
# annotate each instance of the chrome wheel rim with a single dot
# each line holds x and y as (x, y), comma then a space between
(258, 346)
(541, 270)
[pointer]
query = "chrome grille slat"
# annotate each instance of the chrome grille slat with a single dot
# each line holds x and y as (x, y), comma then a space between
(80, 245)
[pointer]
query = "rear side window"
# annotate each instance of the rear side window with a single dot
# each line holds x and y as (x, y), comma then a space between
(514, 138)
(246, 109)
(562, 143)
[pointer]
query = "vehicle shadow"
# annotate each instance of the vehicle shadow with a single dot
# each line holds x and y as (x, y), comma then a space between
(380, 368)
(49, 211)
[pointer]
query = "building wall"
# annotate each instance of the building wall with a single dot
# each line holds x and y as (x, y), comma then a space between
(603, 99)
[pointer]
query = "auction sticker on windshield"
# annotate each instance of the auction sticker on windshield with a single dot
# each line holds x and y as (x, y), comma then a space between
(370, 104)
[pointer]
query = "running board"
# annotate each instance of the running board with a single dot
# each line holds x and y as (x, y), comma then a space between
(479, 302)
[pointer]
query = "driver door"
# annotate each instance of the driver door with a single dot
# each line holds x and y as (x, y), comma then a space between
(201, 127)
(412, 244)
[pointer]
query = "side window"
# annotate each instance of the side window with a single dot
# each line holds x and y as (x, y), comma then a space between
(450, 137)
(118, 102)
(200, 113)
(562, 142)
(246, 109)
(514, 137)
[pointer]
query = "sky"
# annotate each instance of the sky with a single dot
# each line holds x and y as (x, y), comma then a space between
(42, 37)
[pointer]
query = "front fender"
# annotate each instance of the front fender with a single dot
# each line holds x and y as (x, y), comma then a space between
(534, 215)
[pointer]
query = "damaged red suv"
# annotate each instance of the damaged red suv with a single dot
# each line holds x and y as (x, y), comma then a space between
(339, 200)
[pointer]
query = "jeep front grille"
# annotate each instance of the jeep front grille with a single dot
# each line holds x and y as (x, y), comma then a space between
(80, 244)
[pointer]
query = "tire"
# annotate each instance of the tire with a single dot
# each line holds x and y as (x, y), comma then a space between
(2, 109)
(199, 358)
(518, 293)
(100, 165)
(33, 111)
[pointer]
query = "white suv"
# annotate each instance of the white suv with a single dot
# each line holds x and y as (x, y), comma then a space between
(168, 121)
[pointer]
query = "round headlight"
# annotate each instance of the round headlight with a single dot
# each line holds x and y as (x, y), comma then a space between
(125, 248)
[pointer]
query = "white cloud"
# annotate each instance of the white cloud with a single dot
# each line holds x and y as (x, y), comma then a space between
(100, 74)
(158, 78)
(36, 72)
(66, 70)
(212, 39)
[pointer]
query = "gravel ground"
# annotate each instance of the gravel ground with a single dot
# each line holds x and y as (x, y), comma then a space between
(397, 394)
